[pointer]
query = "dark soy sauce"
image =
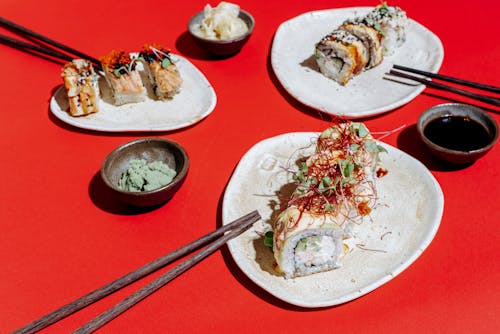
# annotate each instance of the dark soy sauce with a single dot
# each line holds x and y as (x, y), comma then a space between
(457, 133)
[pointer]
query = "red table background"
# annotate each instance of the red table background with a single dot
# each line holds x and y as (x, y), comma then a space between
(61, 238)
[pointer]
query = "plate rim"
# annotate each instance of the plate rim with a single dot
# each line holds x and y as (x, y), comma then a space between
(367, 112)
(427, 237)
(64, 117)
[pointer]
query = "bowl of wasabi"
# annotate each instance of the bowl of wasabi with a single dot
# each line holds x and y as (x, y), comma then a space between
(145, 172)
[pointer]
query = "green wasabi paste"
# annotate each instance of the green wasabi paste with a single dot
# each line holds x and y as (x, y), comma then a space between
(144, 176)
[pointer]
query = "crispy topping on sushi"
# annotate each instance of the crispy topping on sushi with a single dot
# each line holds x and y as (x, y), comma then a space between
(371, 39)
(163, 74)
(82, 87)
(335, 187)
(340, 55)
(123, 78)
(352, 41)
(361, 43)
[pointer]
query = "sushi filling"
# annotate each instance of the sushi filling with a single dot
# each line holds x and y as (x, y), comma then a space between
(315, 253)
(335, 65)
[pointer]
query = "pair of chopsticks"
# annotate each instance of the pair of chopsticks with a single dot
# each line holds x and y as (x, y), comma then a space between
(42, 44)
(217, 238)
(426, 80)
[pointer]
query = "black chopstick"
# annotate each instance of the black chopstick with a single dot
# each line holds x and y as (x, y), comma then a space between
(23, 45)
(25, 31)
(236, 227)
(472, 84)
(437, 85)
(147, 290)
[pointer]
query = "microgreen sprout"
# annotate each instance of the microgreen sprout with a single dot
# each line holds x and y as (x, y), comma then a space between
(126, 68)
(346, 167)
(354, 147)
(334, 179)
(383, 9)
(164, 56)
(360, 129)
(269, 239)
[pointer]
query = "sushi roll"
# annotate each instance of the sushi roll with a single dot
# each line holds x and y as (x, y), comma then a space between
(371, 39)
(82, 87)
(340, 55)
(306, 244)
(123, 77)
(335, 188)
(162, 71)
(391, 22)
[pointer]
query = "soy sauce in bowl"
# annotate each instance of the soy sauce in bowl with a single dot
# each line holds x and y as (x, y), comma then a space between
(459, 133)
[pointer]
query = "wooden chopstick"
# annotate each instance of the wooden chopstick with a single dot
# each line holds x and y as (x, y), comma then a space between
(437, 85)
(236, 227)
(147, 290)
(472, 84)
(25, 31)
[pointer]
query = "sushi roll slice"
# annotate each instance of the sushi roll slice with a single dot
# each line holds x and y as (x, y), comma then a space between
(340, 55)
(306, 244)
(335, 188)
(123, 77)
(82, 87)
(162, 72)
(391, 22)
(371, 39)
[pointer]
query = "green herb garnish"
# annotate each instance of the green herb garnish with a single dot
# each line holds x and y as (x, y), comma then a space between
(269, 239)
(346, 167)
(166, 62)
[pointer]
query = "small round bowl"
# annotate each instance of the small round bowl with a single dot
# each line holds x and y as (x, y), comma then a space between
(218, 47)
(461, 110)
(150, 149)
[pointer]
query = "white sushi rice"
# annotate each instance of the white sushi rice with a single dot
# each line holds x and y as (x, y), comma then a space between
(392, 22)
(312, 251)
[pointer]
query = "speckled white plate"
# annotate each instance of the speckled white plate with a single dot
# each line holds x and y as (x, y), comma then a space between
(195, 101)
(401, 226)
(368, 93)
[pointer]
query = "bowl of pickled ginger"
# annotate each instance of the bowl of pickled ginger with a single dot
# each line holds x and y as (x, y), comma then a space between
(222, 30)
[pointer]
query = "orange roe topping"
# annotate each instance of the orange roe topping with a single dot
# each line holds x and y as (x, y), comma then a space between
(147, 48)
(115, 58)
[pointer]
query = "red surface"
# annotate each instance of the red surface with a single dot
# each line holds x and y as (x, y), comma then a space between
(60, 238)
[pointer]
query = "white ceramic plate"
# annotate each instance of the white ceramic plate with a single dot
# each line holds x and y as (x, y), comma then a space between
(195, 101)
(401, 227)
(368, 93)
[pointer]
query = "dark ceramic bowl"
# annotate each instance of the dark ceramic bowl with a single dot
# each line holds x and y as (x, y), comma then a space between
(470, 113)
(150, 149)
(224, 47)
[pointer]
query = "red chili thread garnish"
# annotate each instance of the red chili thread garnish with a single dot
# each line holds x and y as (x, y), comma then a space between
(343, 191)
